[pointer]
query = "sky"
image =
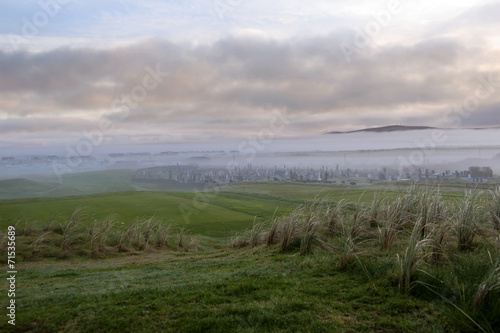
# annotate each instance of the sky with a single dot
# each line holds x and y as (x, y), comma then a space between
(152, 72)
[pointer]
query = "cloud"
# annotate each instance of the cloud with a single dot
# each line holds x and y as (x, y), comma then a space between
(229, 87)
(486, 117)
(485, 15)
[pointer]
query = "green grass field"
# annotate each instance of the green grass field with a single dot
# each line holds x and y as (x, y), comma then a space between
(215, 291)
(213, 215)
(213, 272)
(217, 214)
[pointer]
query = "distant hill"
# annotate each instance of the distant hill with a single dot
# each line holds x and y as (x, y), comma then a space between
(84, 183)
(390, 128)
(20, 185)
(73, 184)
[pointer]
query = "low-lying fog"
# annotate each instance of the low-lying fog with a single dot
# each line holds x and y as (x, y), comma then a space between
(452, 149)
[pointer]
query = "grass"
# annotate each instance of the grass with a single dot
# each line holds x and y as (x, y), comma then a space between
(419, 229)
(467, 221)
(396, 263)
(220, 218)
(412, 257)
(99, 239)
(225, 214)
(216, 291)
(70, 230)
(494, 209)
(488, 287)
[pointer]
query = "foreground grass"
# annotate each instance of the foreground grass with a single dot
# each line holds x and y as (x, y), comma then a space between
(244, 290)
(420, 261)
(446, 252)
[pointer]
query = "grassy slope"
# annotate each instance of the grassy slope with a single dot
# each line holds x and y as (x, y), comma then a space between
(216, 219)
(218, 291)
(73, 184)
(81, 184)
(11, 188)
(214, 214)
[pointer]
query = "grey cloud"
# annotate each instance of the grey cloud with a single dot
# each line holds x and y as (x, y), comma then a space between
(238, 79)
(484, 117)
(66, 126)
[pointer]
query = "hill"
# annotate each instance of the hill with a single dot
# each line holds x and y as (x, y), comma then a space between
(329, 266)
(390, 128)
(77, 184)
(18, 187)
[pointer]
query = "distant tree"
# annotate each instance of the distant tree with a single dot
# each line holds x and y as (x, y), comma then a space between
(475, 171)
(480, 172)
(487, 172)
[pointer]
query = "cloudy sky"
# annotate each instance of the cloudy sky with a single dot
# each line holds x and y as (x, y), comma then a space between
(175, 71)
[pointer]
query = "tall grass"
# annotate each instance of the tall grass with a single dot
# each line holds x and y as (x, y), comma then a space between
(135, 235)
(397, 214)
(467, 220)
(162, 234)
(407, 208)
(34, 247)
(390, 227)
(70, 230)
(142, 233)
(99, 234)
(413, 257)
(494, 210)
(26, 228)
(469, 286)
(437, 237)
(387, 236)
(347, 241)
(309, 230)
(239, 241)
(497, 246)
(290, 229)
(273, 233)
(433, 210)
(256, 233)
(253, 236)
(97, 238)
(300, 228)
(30, 229)
(304, 227)
(376, 210)
(334, 217)
(488, 287)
